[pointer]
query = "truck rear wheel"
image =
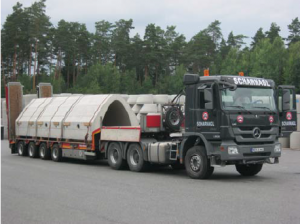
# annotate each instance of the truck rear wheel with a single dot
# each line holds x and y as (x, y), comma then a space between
(197, 165)
(44, 151)
(249, 170)
(135, 158)
(22, 149)
(56, 153)
(114, 156)
(33, 150)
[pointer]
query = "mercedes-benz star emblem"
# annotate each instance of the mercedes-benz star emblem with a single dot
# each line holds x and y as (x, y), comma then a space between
(256, 133)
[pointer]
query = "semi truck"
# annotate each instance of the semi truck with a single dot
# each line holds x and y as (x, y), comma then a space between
(225, 120)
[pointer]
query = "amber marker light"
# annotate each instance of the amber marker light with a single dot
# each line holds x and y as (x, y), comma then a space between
(206, 72)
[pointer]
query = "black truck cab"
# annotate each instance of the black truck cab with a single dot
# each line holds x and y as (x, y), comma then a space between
(236, 119)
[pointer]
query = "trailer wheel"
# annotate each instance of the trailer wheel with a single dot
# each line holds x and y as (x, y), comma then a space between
(197, 164)
(22, 149)
(249, 170)
(114, 156)
(44, 151)
(33, 150)
(56, 153)
(135, 158)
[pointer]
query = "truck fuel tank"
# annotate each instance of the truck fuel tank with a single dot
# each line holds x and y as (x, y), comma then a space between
(162, 152)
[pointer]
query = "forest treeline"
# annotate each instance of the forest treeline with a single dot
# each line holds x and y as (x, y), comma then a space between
(110, 60)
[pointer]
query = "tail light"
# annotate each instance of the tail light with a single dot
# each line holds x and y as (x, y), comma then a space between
(153, 121)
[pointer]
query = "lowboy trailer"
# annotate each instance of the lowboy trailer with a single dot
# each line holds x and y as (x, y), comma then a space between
(226, 120)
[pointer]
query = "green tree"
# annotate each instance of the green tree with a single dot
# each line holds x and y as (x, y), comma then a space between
(292, 68)
(294, 29)
(99, 79)
(11, 35)
(273, 33)
(231, 63)
(257, 37)
(235, 41)
(137, 61)
(120, 42)
(268, 60)
(200, 51)
(173, 52)
(154, 52)
(214, 30)
(102, 42)
(39, 25)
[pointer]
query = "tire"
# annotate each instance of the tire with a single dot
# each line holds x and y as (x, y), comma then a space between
(22, 148)
(197, 165)
(33, 151)
(114, 156)
(249, 170)
(44, 151)
(56, 153)
(135, 158)
(173, 119)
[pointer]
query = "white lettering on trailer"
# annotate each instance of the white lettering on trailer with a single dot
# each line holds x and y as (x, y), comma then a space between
(251, 81)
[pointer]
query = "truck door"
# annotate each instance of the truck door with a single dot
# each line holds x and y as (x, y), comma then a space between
(286, 101)
(190, 108)
(207, 119)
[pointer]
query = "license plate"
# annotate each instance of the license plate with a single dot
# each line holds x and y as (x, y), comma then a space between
(257, 149)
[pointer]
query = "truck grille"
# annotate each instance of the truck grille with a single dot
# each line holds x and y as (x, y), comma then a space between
(251, 136)
(245, 134)
(262, 128)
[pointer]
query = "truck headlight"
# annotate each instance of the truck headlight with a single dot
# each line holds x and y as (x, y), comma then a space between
(277, 148)
(232, 150)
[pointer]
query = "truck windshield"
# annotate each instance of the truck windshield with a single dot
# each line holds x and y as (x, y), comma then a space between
(248, 98)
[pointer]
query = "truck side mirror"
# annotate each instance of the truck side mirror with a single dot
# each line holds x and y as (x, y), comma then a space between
(208, 98)
(286, 99)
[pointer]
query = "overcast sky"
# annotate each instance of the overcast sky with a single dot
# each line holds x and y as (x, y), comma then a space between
(189, 16)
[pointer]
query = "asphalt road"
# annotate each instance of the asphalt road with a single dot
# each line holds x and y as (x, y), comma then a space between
(36, 191)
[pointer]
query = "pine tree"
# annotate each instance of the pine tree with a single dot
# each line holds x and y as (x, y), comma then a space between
(273, 32)
(294, 29)
(258, 37)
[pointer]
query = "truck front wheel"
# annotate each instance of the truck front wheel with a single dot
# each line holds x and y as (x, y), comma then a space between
(197, 165)
(135, 158)
(114, 156)
(249, 170)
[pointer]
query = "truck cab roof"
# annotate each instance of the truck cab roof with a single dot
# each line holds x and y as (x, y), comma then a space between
(190, 79)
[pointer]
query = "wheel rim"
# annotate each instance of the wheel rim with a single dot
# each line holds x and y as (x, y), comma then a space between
(21, 149)
(174, 118)
(114, 155)
(195, 163)
(134, 157)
